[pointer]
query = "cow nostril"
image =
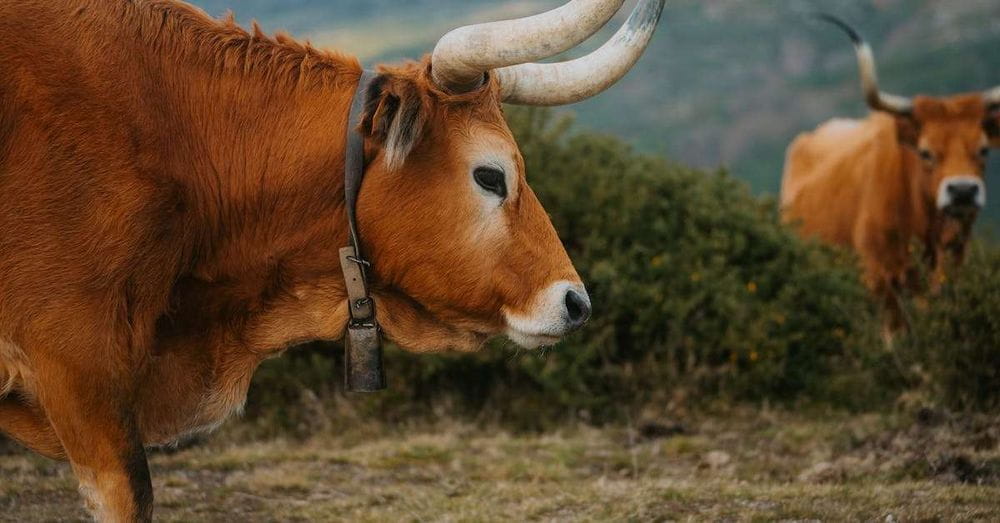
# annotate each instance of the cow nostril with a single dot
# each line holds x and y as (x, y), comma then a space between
(963, 192)
(577, 309)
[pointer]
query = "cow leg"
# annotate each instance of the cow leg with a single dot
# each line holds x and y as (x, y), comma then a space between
(91, 413)
(947, 259)
(28, 425)
(886, 290)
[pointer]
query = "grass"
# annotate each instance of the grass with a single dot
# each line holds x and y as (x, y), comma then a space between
(748, 465)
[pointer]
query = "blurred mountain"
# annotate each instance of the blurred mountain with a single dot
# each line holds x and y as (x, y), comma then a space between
(725, 82)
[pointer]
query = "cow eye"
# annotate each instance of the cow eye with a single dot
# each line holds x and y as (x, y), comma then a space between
(984, 152)
(927, 155)
(492, 180)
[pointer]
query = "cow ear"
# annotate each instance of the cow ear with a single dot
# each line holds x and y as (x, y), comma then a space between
(907, 130)
(992, 125)
(394, 116)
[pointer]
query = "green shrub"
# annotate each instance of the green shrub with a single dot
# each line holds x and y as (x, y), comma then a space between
(699, 295)
(953, 350)
(695, 283)
(291, 394)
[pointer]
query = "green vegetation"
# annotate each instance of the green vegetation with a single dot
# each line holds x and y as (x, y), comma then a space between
(954, 347)
(701, 298)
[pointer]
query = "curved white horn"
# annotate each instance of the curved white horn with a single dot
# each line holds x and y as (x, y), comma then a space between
(992, 96)
(575, 80)
(878, 100)
(463, 55)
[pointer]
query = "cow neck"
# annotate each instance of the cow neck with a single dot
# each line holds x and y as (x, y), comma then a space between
(363, 345)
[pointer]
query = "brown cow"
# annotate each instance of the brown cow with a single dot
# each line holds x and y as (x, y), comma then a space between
(173, 205)
(913, 170)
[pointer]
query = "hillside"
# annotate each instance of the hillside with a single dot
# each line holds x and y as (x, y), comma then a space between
(726, 82)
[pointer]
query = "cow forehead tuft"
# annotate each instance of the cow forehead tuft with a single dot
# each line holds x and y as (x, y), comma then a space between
(959, 107)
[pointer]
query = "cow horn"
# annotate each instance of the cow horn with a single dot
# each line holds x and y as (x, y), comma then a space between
(992, 96)
(462, 56)
(878, 100)
(576, 80)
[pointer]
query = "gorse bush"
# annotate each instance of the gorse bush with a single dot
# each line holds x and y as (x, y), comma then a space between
(699, 293)
(696, 285)
(953, 348)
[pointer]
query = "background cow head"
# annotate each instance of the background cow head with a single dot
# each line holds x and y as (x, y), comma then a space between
(952, 141)
(952, 135)
(992, 121)
(462, 248)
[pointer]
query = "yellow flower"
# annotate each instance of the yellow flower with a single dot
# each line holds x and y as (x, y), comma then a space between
(751, 287)
(656, 261)
(695, 277)
(753, 355)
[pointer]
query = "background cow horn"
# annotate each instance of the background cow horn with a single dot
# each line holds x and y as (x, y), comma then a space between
(463, 55)
(575, 80)
(876, 99)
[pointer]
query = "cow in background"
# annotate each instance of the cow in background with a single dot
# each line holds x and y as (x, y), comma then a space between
(912, 171)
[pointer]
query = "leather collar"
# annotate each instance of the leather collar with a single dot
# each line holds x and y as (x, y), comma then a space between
(363, 343)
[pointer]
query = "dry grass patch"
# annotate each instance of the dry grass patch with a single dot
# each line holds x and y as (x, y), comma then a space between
(743, 466)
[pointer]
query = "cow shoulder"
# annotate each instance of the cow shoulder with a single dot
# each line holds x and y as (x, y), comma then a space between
(820, 158)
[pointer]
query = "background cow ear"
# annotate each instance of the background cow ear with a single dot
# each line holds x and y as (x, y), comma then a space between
(992, 125)
(907, 130)
(394, 117)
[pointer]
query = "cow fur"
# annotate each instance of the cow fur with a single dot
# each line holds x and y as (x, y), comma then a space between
(171, 213)
(863, 185)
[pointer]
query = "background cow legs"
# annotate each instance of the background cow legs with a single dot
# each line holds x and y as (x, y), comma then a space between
(28, 425)
(886, 287)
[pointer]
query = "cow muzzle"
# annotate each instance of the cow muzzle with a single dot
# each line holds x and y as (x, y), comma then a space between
(959, 194)
(556, 311)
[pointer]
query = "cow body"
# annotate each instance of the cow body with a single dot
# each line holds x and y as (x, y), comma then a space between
(172, 208)
(851, 184)
(912, 173)
(161, 231)
(866, 185)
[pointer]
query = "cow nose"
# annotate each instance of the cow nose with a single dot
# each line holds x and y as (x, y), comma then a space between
(577, 309)
(963, 193)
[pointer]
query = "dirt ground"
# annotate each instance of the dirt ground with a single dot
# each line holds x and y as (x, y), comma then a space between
(742, 466)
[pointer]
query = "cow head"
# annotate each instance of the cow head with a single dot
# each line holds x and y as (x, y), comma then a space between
(462, 248)
(953, 143)
(952, 136)
(992, 121)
